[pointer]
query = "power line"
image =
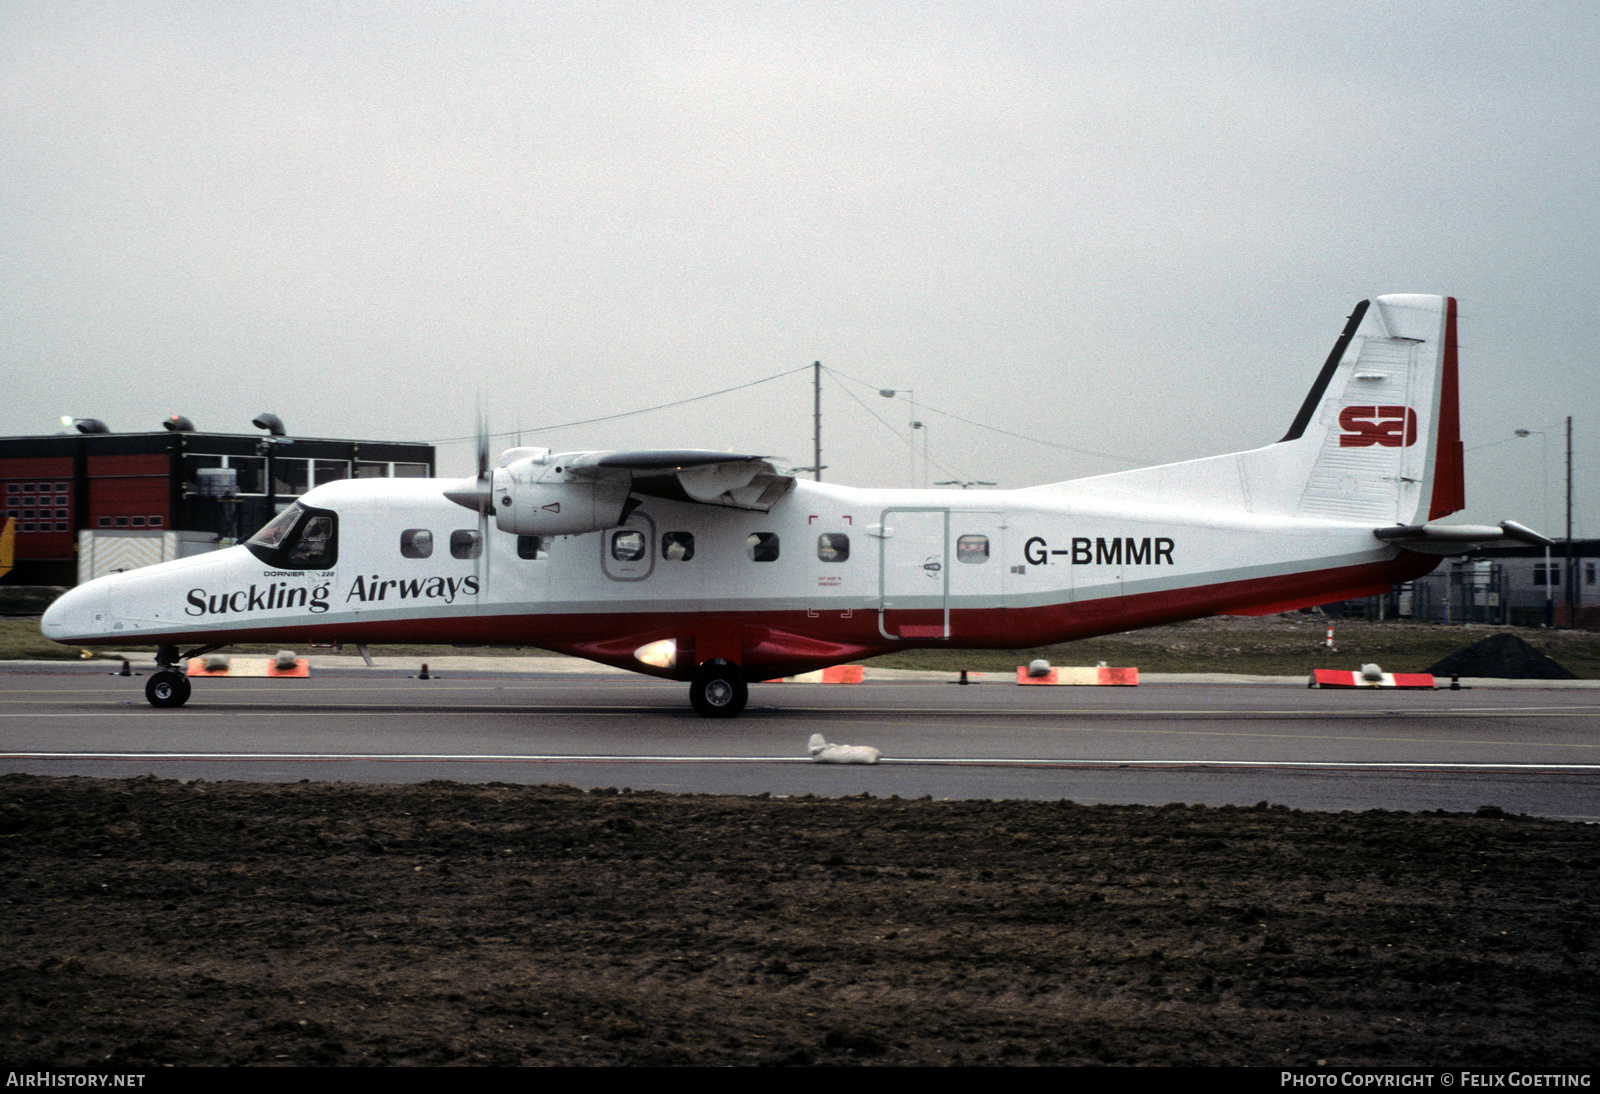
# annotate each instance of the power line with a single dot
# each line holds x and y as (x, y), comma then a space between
(897, 434)
(626, 413)
(997, 429)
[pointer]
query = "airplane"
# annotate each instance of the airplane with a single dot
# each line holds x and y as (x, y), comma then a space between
(719, 569)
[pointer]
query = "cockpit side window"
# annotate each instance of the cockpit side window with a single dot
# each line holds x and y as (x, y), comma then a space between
(298, 538)
(313, 547)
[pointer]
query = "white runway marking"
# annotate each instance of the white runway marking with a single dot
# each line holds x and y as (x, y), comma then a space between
(931, 761)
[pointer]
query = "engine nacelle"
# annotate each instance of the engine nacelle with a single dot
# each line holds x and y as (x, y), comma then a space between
(527, 505)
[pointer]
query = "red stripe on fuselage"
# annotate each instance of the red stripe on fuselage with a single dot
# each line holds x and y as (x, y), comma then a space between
(781, 643)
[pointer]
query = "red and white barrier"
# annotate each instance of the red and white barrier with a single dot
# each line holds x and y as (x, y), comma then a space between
(1342, 678)
(1101, 676)
(833, 674)
(250, 666)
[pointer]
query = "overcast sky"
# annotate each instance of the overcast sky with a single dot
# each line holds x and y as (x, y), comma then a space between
(1133, 230)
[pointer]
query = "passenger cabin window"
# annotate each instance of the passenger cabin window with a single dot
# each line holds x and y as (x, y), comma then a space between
(677, 546)
(416, 543)
(465, 543)
(762, 546)
(972, 549)
(534, 548)
(627, 545)
(833, 547)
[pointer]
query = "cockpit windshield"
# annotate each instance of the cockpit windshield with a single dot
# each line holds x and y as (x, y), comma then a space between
(273, 532)
(299, 538)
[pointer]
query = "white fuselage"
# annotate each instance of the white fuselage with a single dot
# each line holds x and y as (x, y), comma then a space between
(829, 574)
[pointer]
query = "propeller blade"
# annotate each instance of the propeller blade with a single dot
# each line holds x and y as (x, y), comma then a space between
(483, 446)
(484, 495)
(476, 493)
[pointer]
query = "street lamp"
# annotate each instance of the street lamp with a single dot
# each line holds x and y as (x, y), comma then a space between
(965, 485)
(911, 395)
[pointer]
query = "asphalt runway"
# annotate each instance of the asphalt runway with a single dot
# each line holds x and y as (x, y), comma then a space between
(1526, 751)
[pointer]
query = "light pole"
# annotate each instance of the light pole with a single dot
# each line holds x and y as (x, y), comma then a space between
(965, 485)
(911, 395)
(1569, 591)
(1549, 602)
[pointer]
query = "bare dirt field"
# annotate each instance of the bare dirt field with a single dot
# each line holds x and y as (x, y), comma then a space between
(151, 922)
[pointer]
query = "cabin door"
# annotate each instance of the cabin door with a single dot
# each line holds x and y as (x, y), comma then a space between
(914, 575)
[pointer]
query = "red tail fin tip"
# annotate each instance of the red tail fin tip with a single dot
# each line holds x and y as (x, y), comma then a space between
(1449, 472)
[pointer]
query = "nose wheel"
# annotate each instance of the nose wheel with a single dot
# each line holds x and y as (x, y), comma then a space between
(719, 690)
(167, 688)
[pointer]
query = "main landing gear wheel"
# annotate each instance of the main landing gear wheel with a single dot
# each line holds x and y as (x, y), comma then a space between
(719, 690)
(167, 688)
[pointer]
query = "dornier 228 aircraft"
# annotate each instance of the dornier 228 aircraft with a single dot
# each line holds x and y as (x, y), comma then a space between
(720, 569)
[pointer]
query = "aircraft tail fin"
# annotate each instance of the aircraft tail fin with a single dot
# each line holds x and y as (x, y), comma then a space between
(1378, 436)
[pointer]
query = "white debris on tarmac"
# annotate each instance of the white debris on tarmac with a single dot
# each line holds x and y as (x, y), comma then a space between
(824, 753)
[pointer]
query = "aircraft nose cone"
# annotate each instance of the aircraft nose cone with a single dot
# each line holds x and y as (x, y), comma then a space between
(68, 616)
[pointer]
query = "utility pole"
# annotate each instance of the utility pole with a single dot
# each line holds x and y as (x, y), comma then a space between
(1572, 583)
(816, 420)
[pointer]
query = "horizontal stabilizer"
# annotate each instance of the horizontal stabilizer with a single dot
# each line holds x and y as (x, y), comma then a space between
(1453, 539)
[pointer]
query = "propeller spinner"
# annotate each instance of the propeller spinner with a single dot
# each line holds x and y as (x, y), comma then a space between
(477, 493)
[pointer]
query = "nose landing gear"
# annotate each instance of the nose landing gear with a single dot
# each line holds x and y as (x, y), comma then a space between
(167, 688)
(719, 689)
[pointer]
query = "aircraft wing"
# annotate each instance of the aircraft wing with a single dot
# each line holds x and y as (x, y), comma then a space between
(689, 475)
(1455, 539)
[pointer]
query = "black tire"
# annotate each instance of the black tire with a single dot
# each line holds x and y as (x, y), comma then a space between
(167, 689)
(719, 690)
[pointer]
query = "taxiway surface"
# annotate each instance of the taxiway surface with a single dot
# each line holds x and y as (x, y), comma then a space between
(1524, 750)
